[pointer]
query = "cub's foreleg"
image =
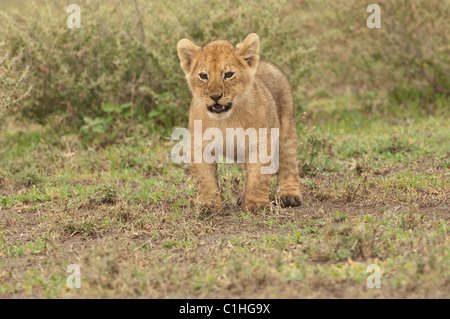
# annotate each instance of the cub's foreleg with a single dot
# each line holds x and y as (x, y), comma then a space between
(205, 177)
(257, 186)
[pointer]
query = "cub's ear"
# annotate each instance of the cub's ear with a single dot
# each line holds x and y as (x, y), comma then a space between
(249, 49)
(187, 51)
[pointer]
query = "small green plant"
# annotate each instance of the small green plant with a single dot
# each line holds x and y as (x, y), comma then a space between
(104, 127)
(340, 217)
(87, 227)
(124, 110)
(104, 195)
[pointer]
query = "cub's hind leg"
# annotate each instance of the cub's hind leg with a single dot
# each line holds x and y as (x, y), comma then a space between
(287, 175)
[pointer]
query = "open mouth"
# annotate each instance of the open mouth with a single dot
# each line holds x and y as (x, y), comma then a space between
(219, 108)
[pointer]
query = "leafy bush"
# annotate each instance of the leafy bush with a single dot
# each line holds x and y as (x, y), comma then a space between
(408, 57)
(11, 83)
(125, 54)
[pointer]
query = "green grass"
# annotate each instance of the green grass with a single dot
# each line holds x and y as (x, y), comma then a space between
(374, 192)
(95, 186)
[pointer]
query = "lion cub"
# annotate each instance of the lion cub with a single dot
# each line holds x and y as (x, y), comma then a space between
(232, 88)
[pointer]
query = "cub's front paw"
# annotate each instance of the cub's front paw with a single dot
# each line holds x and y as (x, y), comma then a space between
(291, 200)
(254, 206)
(213, 199)
(211, 205)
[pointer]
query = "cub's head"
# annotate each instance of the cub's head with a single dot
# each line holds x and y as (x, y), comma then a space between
(219, 72)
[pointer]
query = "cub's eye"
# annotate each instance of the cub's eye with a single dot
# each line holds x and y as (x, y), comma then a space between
(203, 76)
(229, 75)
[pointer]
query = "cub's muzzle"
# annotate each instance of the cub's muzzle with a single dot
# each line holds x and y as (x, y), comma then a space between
(219, 108)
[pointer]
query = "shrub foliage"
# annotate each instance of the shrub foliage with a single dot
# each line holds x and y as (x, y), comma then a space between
(12, 88)
(121, 66)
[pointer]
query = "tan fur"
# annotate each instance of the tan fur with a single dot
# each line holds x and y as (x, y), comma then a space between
(261, 97)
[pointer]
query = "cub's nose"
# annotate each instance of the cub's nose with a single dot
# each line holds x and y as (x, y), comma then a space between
(216, 97)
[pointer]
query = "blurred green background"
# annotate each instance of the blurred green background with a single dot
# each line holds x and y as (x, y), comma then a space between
(119, 74)
(9, 3)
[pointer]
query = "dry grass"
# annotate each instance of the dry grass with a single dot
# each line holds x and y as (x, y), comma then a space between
(127, 216)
